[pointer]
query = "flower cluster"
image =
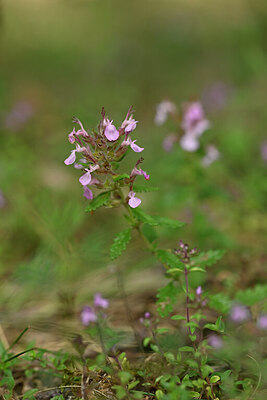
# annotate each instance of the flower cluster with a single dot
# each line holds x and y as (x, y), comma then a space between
(99, 153)
(193, 123)
(90, 314)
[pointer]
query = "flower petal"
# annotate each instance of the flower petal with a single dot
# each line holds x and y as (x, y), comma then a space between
(88, 194)
(71, 159)
(135, 147)
(85, 179)
(111, 132)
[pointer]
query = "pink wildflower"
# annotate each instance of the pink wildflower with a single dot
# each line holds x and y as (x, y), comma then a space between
(88, 315)
(110, 132)
(163, 109)
(85, 179)
(133, 201)
(99, 301)
(131, 143)
(139, 171)
(262, 322)
(239, 313)
(88, 194)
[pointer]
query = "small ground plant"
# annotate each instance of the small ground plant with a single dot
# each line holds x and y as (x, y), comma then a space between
(195, 344)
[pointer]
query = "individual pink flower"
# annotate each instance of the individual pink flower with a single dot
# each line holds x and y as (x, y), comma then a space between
(212, 154)
(110, 132)
(72, 157)
(88, 194)
(99, 301)
(85, 179)
(262, 322)
(199, 291)
(72, 136)
(131, 143)
(133, 201)
(139, 171)
(88, 315)
(163, 109)
(129, 124)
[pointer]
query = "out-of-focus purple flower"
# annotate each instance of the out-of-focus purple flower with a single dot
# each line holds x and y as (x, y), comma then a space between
(212, 154)
(99, 301)
(131, 143)
(19, 115)
(262, 322)
(194, 121)
(169, 141)
(145, 318)
(215, 96)
(110, 132)
(88, 315)
(239, 313)
(86, 178)
(88, 194)
(133, 201)
(163, 109)
(189, 142)
(2, 200)
(264, 150)
(139, 171)
(215, 341)
(199, 291)
(78, 165)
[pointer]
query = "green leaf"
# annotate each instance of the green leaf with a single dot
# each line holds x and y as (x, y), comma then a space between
(141, 216)
(207, 259)
(125, 377)
(29, 395)
(117, 178)
(149, 232)
(187, 349)
(146, 341)
(214, 379)
(119, 243)
(178, 317)
(166, 257)
(144, 188)
(170, 223)
(167, 297)
(252, 296)
(220, 302)
(99, 201)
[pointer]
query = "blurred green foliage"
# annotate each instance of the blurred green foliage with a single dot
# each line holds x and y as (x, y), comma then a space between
(71, 57)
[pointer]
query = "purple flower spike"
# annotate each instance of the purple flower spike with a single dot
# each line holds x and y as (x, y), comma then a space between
(88, 194)
(262, 322)
(239, 313)
(99, 301)
(133, 201)
(111, 132)
(88, 315)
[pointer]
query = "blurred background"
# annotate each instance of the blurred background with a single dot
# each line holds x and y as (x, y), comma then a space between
(65, 58)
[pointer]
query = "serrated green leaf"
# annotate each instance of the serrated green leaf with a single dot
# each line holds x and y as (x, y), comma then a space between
(207, 259)
(166, 257)
(99, 201)
(144, 188)
(252, 296)
(119, 243)
(170, 223)
(141, 216)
